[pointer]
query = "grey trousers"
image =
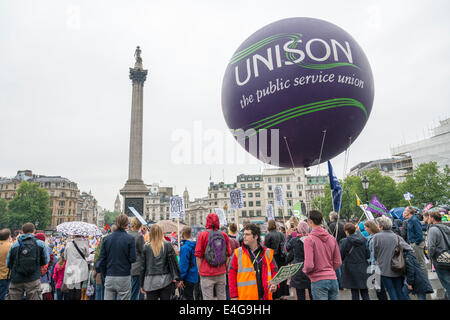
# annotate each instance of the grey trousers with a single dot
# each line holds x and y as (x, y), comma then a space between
(32, 290)
(208, 284)
(418, 252)
(117, 287)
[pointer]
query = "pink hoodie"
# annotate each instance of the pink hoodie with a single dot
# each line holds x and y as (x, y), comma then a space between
(322, 256)
(58, 274)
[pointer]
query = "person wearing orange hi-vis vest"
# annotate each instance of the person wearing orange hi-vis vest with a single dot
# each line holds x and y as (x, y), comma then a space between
(251, 269)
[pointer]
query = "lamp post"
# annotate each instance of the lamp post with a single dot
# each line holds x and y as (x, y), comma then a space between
(365, 184)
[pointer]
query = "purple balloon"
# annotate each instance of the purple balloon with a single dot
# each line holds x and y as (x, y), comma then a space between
(306, 78)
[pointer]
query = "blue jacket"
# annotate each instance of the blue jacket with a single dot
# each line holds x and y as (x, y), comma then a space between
(414, 230)
(117, 254)
(11, 259)
(187, 253)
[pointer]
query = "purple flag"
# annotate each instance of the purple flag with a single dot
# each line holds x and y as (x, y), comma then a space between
(376, 206)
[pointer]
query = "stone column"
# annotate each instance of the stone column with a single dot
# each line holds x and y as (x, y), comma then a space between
(135, 190)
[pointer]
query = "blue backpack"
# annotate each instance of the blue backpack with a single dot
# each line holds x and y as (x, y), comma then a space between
(216, 250)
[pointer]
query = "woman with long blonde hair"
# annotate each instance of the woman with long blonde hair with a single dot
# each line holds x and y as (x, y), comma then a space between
(160, 267)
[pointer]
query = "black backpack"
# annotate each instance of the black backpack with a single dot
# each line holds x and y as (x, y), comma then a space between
(28, 257)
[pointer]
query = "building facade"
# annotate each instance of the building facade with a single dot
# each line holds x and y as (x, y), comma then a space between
(315, 187)
(436, 148)
(292, 182)
(63, 194)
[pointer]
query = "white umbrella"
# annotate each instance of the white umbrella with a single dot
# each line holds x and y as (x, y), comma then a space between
(79, 228)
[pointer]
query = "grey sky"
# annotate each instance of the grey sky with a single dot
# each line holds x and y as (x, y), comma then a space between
(65, 95)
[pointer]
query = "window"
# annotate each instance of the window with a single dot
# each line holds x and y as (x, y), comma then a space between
(250, 185)
(258, 213)
(257, 194)
(51, 203)
(280, 213)
(289, 194)
(279, 179)
(270, 188)
(242, 186)
(250, 179)
(215, 195)
(299, 187)
(288, 187)
(250, 203)
(225, 194)
(62, 203)
(251, 213)
(288, 179)
(269, 194)
(258, 203)
(290, 203)
(256, 185)
(250, 194)
(299, 193)
(244, 194)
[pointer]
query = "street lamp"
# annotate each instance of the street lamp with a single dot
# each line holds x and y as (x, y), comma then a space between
(365, 184)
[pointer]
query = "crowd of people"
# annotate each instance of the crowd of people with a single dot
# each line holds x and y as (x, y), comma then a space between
(133, 262)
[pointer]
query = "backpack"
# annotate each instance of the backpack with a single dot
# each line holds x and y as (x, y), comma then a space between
(443, 256)
(216, 250)
(28, 258)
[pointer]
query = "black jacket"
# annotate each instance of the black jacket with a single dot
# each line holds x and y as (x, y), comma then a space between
(275, 241)
(117, 254)
(415, 275)
(295, 245)
(354, 254)
(164, 263)
(332, 230)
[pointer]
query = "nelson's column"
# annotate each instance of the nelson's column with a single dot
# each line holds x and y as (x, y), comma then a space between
(135, 191)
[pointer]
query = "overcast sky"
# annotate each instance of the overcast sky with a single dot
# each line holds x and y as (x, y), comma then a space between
(65, 94)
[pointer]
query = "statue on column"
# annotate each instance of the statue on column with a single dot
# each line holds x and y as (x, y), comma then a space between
(137, 54)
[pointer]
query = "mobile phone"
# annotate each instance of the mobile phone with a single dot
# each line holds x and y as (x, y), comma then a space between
(292, 226)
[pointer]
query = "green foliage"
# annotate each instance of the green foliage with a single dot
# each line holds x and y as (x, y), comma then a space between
(110, 217)
(428, 185)
(31, 204)
(3, 214)
(384, 187)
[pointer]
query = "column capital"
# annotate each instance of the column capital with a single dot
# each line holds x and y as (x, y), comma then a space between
(138, 75)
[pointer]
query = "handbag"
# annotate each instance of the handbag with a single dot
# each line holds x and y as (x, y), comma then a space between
(398, 260)
(90, 290)
(443, 256)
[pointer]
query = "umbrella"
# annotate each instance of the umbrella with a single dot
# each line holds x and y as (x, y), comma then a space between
(79, 228)
(167, 226)
(397, 213)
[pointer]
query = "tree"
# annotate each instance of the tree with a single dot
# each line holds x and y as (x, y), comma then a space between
(384, 187)
(31, 204)
(427, 184)
(110, 217)
(3, 214)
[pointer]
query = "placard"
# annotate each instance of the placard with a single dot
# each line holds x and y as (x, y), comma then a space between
(286, 272)
(222, 217)
(176, 207)
(269, 212)
(279, 197)
(236, 199)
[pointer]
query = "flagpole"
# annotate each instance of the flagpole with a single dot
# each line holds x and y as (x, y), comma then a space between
(178, 223)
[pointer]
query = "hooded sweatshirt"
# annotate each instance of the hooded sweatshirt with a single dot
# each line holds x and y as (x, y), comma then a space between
(322, 256)
(212, 223)
(436, 241)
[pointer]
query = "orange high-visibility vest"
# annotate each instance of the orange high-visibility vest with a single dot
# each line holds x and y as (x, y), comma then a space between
(246, 275)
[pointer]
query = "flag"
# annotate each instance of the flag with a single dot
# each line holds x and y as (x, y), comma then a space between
(358, 200)
(376, 206)
(408, 196)
(336, 189)
(107, 227)
(428, 207)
